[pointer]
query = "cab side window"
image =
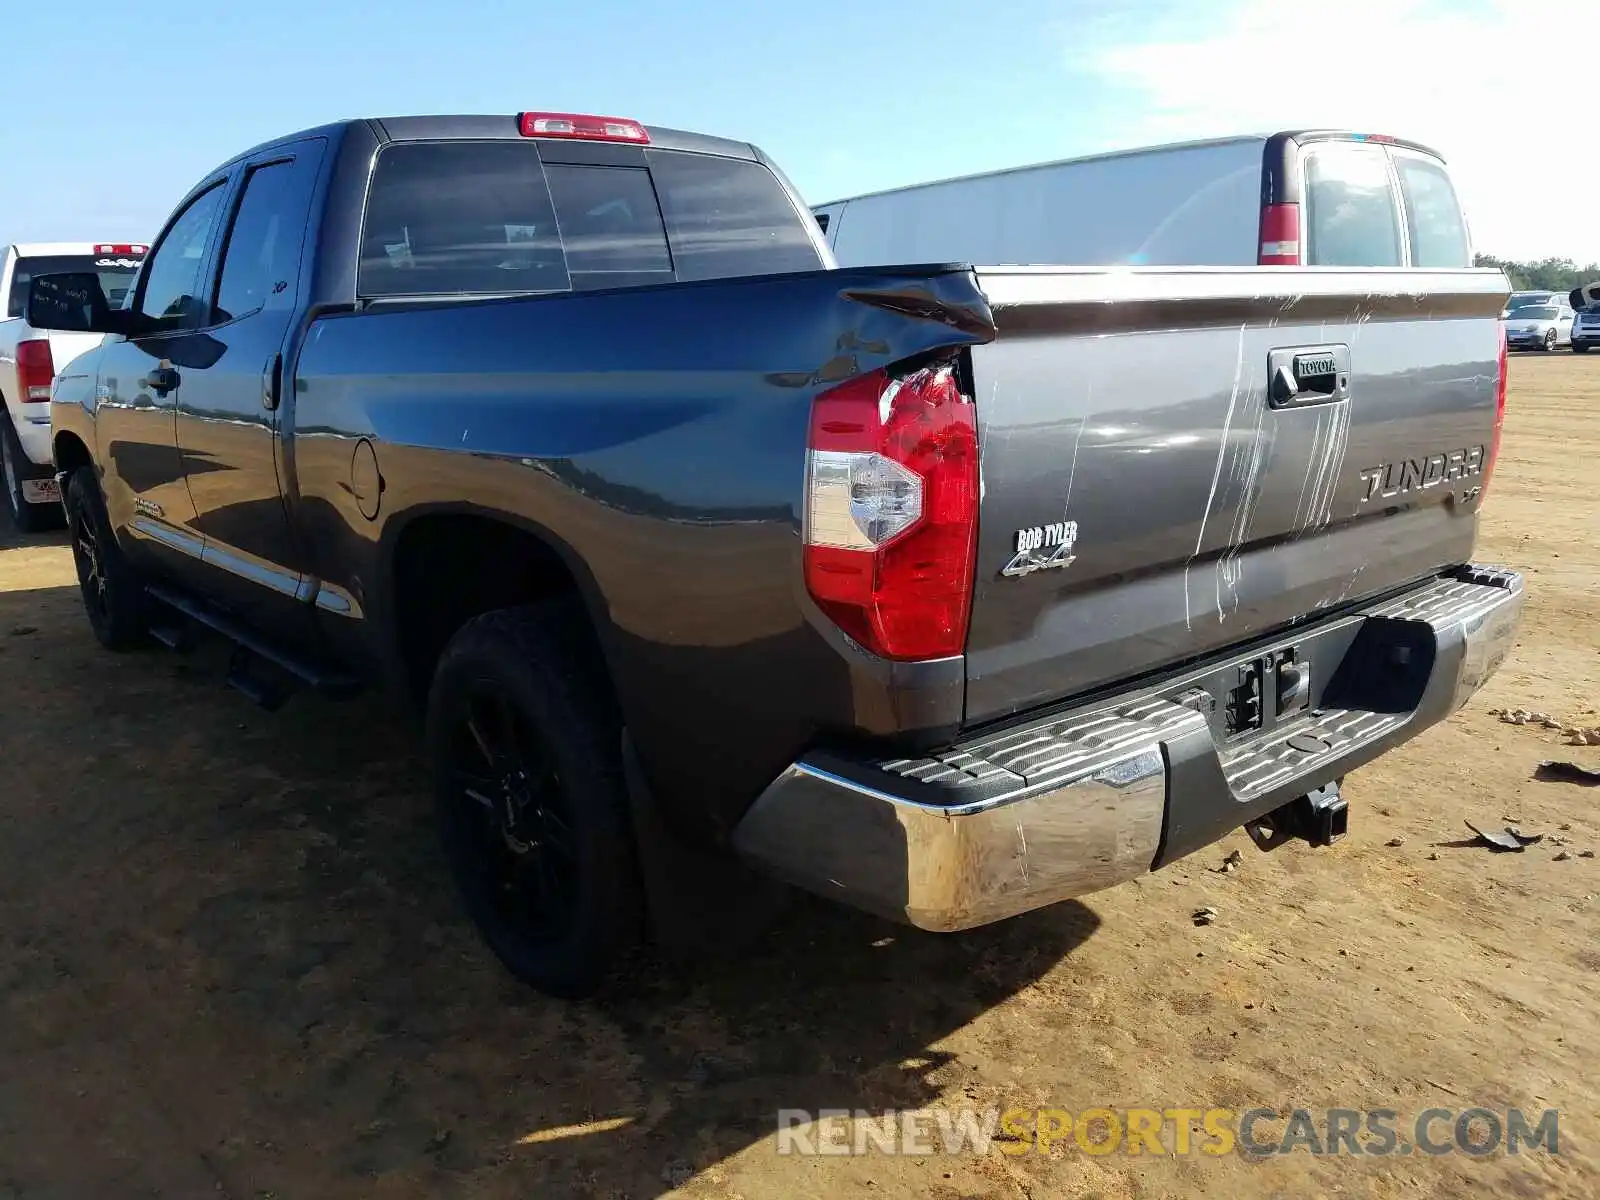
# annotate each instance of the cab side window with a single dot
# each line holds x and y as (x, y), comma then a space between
(172, 280)
(1438, 232)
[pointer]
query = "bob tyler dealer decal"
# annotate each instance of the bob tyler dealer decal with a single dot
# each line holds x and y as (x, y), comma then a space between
(1042, 547)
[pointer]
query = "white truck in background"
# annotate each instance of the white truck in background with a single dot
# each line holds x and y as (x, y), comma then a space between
(1303, 198)
(30, 358)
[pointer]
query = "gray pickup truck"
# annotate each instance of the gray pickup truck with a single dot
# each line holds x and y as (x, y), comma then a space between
(944, 591)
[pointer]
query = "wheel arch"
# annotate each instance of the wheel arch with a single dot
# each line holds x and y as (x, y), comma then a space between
(489, 559)
(70, 451)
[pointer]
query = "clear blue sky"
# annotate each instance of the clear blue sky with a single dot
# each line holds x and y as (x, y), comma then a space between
(117, 108)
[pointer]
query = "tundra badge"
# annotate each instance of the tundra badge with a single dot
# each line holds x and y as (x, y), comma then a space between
(1393, 479)
(1041, 547)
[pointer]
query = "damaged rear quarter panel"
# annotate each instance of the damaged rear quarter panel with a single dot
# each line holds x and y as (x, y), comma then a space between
(656, 438)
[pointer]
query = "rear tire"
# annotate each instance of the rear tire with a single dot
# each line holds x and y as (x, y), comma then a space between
(1577, 349)
(532, 803)
(113, 593)
(14, 469)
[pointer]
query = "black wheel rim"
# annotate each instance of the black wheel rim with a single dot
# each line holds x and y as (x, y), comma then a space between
(86, 552)
(513, 818)
(1550, 340)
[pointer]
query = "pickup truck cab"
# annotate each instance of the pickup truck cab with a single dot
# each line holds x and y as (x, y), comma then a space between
(947, 592)
(28, 361)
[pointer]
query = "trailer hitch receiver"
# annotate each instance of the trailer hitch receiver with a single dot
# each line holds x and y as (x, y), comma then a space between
(1320, 817)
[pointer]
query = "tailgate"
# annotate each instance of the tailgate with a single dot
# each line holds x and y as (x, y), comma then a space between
(1178, 461)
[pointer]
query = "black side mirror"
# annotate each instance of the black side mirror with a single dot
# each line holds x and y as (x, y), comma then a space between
(72, 302)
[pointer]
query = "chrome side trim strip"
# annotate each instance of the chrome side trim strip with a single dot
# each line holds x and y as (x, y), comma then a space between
(248, 566)
(169, 536)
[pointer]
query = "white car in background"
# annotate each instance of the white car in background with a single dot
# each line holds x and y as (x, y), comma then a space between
(1540, 326)
(30, 358)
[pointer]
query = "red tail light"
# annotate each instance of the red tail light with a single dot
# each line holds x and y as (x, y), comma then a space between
(892, 511)
(1280, 236)
(1499, 415)
(120, 248)
(577, 125)
(35, 369)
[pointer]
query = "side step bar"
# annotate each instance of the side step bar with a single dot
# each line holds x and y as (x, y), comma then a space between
(174, 637)
(249, 645)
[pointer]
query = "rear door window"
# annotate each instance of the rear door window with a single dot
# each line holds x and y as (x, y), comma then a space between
(261, 262)
(1352, 219)
(1433, 214)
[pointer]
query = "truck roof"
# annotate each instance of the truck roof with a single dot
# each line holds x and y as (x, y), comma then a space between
(42, 249)
(502, 126)
(1195, 144)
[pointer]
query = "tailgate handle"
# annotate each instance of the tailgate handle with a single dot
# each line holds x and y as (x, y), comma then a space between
(1303, 375)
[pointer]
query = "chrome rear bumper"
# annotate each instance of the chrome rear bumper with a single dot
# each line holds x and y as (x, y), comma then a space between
(1076, 801)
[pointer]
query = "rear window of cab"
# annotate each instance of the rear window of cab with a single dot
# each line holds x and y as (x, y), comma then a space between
(490, 218)
(1362, 213)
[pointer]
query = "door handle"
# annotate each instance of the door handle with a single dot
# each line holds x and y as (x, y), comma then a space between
(162, 379)
(271, 382)
(1302, 375)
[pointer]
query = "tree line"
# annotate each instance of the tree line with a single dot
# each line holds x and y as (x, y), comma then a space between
(1546, 275)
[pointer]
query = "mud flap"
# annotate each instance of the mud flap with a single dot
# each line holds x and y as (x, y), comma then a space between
(699, 903)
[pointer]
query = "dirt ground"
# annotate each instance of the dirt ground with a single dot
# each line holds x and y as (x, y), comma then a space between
(230, 963)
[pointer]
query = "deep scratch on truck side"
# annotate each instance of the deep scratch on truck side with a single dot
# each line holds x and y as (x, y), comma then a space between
(1261, 451)
(1216, 474)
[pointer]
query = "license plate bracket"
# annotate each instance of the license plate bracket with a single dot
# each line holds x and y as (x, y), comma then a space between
(41, 491)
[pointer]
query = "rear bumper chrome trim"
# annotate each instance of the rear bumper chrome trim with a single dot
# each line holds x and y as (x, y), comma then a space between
(947, 869)
(1074, 802)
